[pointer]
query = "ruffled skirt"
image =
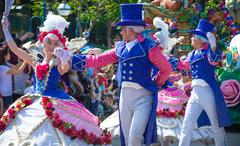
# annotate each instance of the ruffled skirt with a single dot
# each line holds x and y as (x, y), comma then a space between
(46, 121)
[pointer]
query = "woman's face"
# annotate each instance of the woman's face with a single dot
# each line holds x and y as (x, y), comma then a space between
(50, 43)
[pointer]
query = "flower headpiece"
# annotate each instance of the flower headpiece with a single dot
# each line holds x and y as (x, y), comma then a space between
(54, 24)
(55, 32)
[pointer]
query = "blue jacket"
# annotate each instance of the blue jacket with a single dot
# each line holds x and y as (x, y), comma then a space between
(135, 66)
(202, 68)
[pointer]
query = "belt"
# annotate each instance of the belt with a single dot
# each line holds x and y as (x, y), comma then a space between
(126, 84)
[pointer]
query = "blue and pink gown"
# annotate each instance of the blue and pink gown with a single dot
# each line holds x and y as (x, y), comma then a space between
(50, 117)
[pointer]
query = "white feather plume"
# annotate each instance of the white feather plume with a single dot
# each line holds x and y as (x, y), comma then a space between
(54, 22)
(162, 36)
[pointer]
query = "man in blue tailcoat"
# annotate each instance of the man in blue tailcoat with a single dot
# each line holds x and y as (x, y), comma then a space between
(136, 56)
(206, 104)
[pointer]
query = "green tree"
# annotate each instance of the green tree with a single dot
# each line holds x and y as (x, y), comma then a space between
(90, 11)
(94, 11)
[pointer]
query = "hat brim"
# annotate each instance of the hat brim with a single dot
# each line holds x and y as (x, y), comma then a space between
(130, 23)
(199, 32)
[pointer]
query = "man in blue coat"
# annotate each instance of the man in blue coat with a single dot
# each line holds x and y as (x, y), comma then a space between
(206, 104)
(136, 56)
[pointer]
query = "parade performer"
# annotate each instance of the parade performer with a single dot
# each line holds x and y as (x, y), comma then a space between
(206, 104)
(136, 56)
(48, 116)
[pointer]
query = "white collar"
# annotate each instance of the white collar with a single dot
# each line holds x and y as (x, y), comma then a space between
(131, 44)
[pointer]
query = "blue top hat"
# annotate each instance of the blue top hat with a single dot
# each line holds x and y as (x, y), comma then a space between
(131, 15)
(202, 28)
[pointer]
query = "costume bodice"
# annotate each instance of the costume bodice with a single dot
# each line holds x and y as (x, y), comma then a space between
(49, 85)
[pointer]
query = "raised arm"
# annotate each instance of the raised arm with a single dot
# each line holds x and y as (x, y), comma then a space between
(213, 54)
(161, 62)
(12, 45)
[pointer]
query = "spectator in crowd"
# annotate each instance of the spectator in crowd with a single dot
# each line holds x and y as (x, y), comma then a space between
(108, 105)
(20, 80)
(6, 72)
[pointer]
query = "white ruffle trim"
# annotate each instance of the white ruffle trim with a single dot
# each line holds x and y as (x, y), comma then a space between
(25, 130)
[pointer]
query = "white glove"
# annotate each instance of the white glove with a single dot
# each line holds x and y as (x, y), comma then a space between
(62, 54)
(211, 39)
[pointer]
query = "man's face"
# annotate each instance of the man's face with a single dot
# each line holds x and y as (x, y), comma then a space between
(196, 41)
(127, 33)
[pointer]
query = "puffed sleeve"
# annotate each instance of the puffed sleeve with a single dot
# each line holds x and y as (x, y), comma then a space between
(108, 57)
(80, 62)
(161, 62)
(214, 57)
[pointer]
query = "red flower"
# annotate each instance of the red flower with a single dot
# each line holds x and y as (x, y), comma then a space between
(57, 122)
(69, 131)
(48, 112)
(19, 106)
(2, 125)
(79, 134)
(11, 111)
(92, 138)
(27, 101)
(41, 71)
(103, 139)
(49, 105)
(98, 140)
(45, 99)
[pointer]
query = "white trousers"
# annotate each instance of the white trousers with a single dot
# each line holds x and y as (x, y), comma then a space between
(202, 98)
(135, 108)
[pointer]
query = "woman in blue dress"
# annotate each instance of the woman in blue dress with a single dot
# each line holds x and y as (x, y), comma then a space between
(48, 116)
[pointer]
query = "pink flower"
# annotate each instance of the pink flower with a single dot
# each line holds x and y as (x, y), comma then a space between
(231, 92)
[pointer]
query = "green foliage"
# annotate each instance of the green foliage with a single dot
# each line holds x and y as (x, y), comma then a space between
(210, 4)
(37, 8)
(98, 10)
(223, 32)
